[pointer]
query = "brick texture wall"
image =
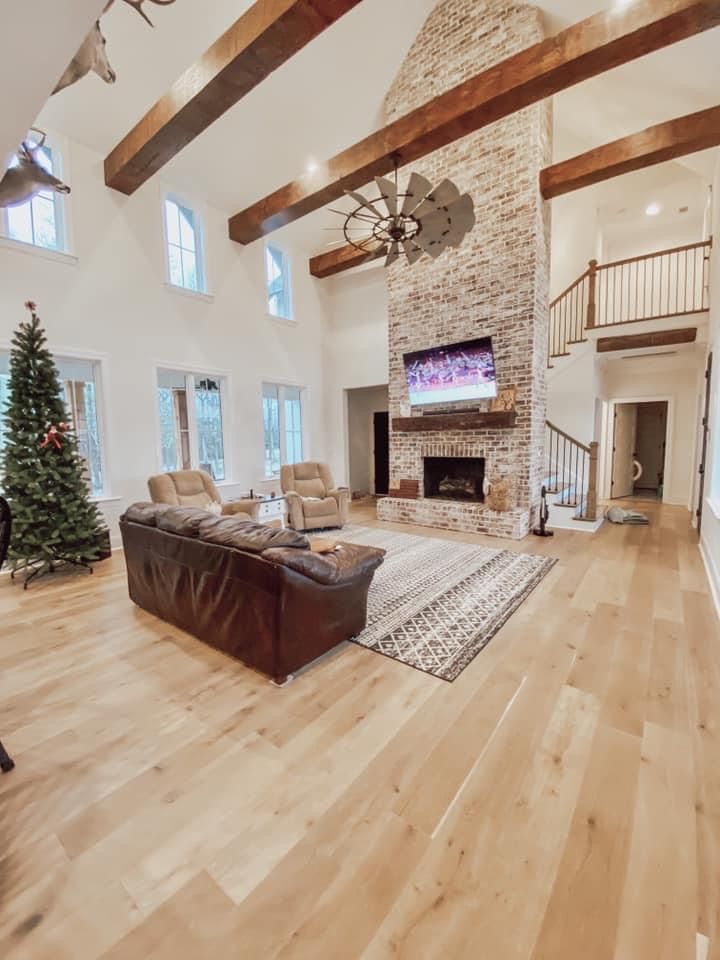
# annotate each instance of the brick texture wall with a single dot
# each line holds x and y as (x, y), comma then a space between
(495, 283)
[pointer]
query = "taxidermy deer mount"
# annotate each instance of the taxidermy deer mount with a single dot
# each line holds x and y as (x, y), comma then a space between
(92, 55)
(28, 177)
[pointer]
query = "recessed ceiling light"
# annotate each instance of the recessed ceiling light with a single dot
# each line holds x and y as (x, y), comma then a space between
(312, 166)
(652, 209)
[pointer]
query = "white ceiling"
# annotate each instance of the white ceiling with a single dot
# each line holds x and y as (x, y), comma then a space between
(330, 95)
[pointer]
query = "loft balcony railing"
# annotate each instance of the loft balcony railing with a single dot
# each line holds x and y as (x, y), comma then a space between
(668, 283)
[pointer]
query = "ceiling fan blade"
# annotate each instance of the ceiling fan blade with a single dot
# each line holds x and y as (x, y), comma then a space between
(442, 196)
(359, 198)
(393, 254)
(412, 252)
(389, 193)
(417, 189)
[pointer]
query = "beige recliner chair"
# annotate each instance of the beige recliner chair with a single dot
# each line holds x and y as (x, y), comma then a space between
(312, 498)
(195, 488)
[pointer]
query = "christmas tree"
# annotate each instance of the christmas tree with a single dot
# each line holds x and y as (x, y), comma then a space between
(43, 476)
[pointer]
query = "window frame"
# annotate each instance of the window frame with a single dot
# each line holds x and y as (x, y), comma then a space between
(281, 386)
(190, 372)
(58, 148)
(288, 271)
(100, 371)
(201, 262)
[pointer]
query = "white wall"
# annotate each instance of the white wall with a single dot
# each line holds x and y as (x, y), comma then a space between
(113, 302)
(674, 378)
(572, 389)
(39, 39)
(362, 403)
(356, 352)
(710, 534)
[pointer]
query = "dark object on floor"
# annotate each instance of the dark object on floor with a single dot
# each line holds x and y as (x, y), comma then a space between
(542, 530)
(6, 762)
(251, 590)
(618, 515)
(5, 529)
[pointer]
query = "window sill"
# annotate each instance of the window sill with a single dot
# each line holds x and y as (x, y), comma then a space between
(714, 507)
(193, 294)
(105, 498)
(20, 246)
(282, 320)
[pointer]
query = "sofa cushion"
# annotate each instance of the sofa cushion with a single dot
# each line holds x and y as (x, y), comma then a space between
(327, 507)
(145, 513)
(183, 521)
(348, 561)
(310, 488)
(244, 534)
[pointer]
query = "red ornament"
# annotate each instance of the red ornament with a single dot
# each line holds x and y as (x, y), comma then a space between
(54, 435)
(31, 305)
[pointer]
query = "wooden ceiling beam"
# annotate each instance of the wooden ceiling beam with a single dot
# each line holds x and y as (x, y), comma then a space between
(343, 258)
(635, 341)
(265, 37)
(584, 50)
(665, 141)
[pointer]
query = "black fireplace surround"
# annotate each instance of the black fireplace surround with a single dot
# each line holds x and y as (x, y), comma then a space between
(454, 478)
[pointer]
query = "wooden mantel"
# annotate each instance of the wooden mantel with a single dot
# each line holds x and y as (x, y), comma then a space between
(490, 420)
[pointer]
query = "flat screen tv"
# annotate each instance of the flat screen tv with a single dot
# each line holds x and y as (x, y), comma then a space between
(452, 373)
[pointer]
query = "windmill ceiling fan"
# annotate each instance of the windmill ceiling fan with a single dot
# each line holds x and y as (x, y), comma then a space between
(422, 219)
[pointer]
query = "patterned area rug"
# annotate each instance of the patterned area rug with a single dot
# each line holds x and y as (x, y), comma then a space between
(434, 604)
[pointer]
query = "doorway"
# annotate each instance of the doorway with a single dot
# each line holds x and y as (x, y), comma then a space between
(381, 451)
(639, 450)
(368, 440)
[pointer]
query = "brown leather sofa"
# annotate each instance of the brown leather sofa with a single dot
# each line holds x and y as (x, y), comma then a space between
(253, 591)
(314, 502)
(195, 488)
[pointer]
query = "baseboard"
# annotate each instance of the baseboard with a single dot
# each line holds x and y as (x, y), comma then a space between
(713, 575)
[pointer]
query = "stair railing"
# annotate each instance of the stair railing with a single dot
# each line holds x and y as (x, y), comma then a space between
(572, 471)
(667, 283)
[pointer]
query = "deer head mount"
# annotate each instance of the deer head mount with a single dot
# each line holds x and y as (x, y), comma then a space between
(28, 177)
(92, 55)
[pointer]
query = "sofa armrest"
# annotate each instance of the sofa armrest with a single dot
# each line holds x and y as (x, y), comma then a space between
(341, 495)
(249, 507)
(296, 514)
(347, 563)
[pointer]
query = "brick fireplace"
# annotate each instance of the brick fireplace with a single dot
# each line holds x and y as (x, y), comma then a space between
(495, 283)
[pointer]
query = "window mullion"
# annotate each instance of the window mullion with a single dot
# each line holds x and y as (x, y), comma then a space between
(282, 425)
(192, 421)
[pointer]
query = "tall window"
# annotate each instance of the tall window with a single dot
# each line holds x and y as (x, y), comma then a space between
(79, 390)
(185, 254)
(277, 278)
(40, 221)
(282, 426)
(191, 422)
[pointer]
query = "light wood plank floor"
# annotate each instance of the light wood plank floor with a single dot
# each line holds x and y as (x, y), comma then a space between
(559, 801)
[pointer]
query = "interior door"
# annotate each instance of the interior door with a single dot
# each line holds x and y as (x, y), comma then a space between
(381, 430)
(705, 435)
(624, 430)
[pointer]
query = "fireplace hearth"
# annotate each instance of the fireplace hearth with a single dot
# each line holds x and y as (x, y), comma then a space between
(454, 478)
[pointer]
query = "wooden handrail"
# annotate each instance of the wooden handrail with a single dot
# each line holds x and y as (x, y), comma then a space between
(567, 436)
(658, 253)
(569, 289)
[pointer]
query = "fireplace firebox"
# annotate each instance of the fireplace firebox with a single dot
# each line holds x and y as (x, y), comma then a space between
(454, 478)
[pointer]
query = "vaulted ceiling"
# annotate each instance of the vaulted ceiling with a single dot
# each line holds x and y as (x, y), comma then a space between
(330, 95)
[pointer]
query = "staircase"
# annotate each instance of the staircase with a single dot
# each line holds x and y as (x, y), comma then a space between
(571, 481)
(655, 286)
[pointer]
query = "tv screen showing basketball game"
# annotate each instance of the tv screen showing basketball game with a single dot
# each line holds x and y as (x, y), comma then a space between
(449, 374)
